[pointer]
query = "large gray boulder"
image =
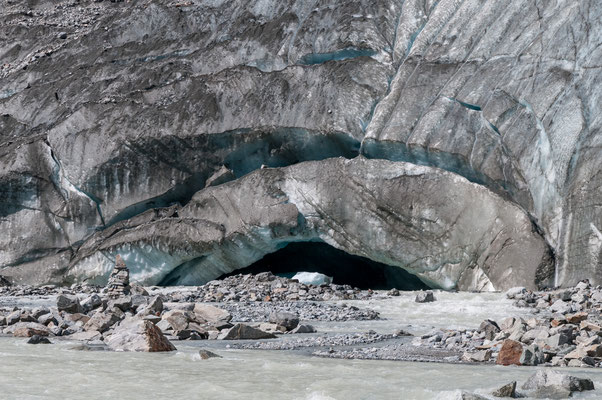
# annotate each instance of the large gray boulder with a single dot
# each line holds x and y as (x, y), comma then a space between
(211, 314)
(550, 382)
(102, 321)
(244, 332)
(68, 303)
(138, 335)
(286, 319)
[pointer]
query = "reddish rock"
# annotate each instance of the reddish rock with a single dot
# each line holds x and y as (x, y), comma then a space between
(510, 353)
(30, 329)
(577, 317)
(557, 322)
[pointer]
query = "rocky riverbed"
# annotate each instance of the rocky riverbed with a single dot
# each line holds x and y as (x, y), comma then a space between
(124, 317)
(566, 330)
(129, 317)
(562, 329)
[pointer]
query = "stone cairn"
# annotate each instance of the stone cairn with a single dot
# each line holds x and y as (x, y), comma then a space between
(119, 281)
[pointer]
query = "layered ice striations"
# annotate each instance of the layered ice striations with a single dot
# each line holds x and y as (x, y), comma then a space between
(460, 236)
(101, 136)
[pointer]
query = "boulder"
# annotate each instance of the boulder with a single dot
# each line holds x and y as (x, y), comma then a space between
(557, 340)
(138, 290)
(305, 328)
(425, 297)
(479, 356)
(26, 316)
(13, 317)
(544, 379)
(515, 292)
(508, 390)
(589, 326)
(37, 339)
(539, 334)
(595, 350)
(91, 302)
(29, 329)
(138, 335)
(86, 336)
(154, 307)
(206, 354)
(510, 353)
(285, 319)
(508, 323)
(270, 327)
(68, 303)
(124, 303)
(102, 321)
(138, 301)
(531, 355)
(152, 318)
(576, 318)
(561, 307)
(242, 331)
(178, 319)
(490, 328)
(77, 317)
(47, 319)
(39, 311)
(211, 314)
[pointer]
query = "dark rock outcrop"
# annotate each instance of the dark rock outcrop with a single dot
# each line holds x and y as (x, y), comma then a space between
(244, 332)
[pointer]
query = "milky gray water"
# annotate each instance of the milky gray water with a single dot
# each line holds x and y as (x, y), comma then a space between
(58, 372)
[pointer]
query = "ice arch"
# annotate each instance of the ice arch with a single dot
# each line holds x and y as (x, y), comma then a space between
(449, 232)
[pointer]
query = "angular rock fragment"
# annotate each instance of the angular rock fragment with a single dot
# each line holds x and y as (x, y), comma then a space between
(211, 314)
(102, 321)
(304, 328)
(29, 329)
(86, 336)
(510, 353)
(242, 332)
(285, 319)
(68, 303)
(508, 390)
(206, 354)
(425, 297)
(490, 328)
(138, 335)
(37, 339)
(91, 302)
(546, 379)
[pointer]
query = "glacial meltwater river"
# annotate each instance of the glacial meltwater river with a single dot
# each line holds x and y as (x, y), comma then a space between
(58, 372)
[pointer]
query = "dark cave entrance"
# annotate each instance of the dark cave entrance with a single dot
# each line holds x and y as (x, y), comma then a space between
(344, 268)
